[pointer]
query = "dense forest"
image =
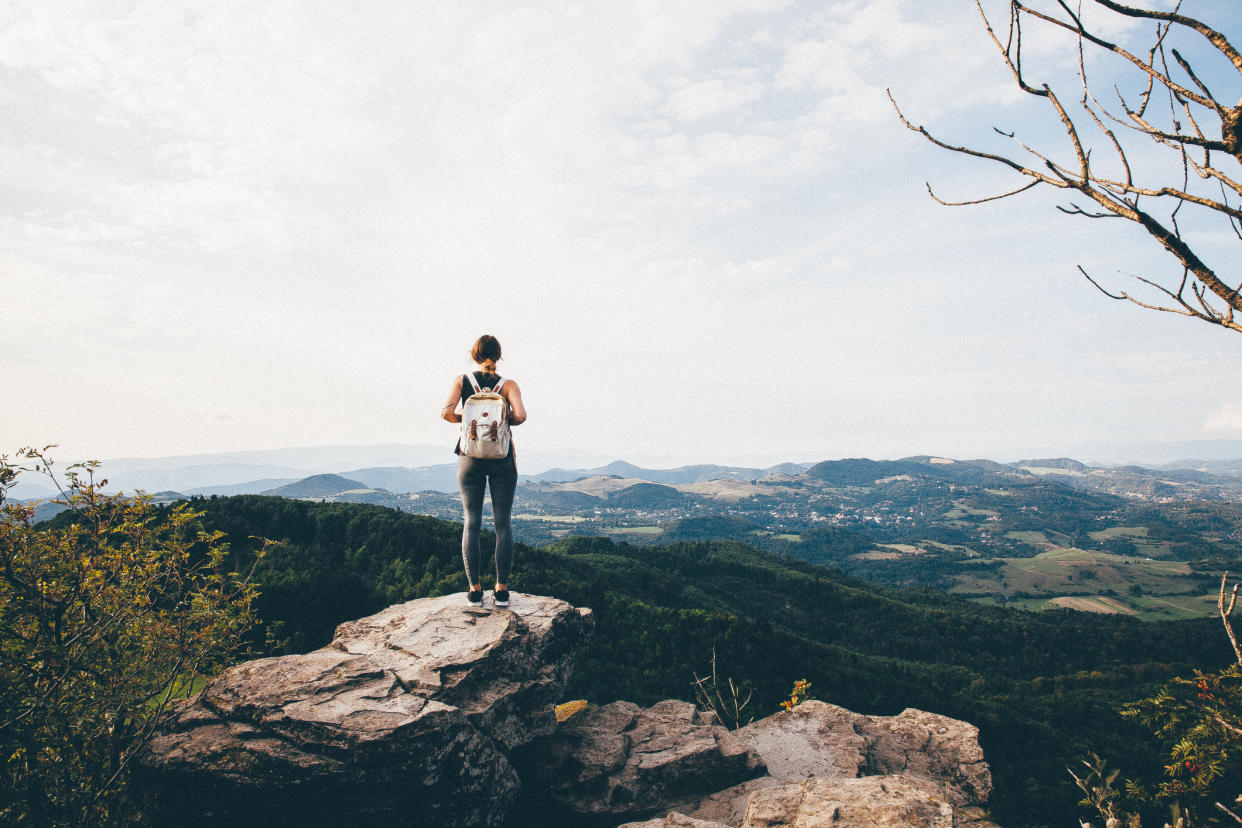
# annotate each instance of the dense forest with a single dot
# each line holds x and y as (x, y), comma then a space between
(1042, 688)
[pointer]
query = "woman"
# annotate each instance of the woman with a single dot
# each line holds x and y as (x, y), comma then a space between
(474, 474)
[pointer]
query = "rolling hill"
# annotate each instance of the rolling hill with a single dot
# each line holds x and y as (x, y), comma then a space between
(319, 485)
(1041, 687)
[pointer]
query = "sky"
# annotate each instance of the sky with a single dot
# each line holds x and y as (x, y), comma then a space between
(697, 228)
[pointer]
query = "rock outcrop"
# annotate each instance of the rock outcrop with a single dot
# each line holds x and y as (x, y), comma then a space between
(864, 802)
(407, 717)
(433, 713)
(624, 760)
(829, 766)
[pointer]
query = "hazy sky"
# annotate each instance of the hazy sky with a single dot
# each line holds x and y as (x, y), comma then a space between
(697, 228)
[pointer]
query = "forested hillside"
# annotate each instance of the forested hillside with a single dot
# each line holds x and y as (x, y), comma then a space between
(1042, 688)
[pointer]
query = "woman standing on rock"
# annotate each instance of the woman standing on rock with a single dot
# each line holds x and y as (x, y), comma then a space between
(477, 471)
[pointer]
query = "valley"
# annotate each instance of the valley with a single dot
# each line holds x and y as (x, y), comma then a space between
(1038, 535)
(1023, 609)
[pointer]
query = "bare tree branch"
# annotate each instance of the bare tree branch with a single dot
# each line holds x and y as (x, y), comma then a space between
(1000, 159)
(1227, 611)
(1236, 818)
(1159, 207)
(984, 200)
(1214, 37)
(1079, 30)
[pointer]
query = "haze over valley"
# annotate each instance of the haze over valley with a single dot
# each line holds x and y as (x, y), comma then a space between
(1035, 534)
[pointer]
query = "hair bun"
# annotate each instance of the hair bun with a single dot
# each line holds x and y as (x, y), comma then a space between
(485, 352)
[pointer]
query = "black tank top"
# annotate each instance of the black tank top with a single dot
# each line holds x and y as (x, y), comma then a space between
(484, 379)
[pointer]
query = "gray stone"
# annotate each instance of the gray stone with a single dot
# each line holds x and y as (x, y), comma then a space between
(928, 746)
(824, 740)
(673, 820)
(407, 716)
(812, 739)
(728, 806)
(865, 802)
(624, 760)
(817, 740)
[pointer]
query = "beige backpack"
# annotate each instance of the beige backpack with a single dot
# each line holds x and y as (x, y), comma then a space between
(485, 422)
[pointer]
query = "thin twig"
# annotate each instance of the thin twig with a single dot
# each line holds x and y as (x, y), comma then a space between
(1225, 612)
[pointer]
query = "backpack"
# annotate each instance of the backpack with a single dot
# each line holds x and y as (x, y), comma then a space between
(485, 422)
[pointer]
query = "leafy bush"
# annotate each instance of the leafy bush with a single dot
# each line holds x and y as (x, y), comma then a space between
(108, 615)
(1199, 720)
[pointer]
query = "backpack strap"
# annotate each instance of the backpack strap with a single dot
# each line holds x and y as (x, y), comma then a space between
(475, 383)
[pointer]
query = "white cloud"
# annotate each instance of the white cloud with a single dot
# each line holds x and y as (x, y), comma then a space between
(1224, 418)
(312, 208)
(694, 100)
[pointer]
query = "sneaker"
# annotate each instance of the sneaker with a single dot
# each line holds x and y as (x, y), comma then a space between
(502, 597)
(475, 598)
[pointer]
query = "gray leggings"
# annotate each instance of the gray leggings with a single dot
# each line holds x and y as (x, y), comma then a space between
(473, 476)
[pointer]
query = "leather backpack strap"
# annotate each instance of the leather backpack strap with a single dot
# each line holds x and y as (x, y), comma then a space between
(499, 382)
(473, 382)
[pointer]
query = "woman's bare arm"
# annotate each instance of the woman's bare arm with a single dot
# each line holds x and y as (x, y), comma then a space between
(513, 394)
(449, 410)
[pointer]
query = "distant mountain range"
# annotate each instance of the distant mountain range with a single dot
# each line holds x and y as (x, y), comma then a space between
(682, 474)
(262, 472)
(440, 478)
(1038, 530)
(627, 486)
(404, 467)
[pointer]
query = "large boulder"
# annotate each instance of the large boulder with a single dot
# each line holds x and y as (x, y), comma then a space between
(407, 717)
(864, 802)
(829, 766)
(820, 739)
(625, 761)
(927, 746)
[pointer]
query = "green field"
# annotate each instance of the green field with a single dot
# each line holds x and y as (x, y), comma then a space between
(552, 518)
(632, 530)
(1173, 607)
(965, 550)
(1120, 532)
(1046, 536)
(1145, 607)
(1058, 560)
(904, 548)
(1079, 579)
(961, 510)
(765, 533)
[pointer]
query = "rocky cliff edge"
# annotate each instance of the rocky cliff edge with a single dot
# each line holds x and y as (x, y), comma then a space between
(433, 713)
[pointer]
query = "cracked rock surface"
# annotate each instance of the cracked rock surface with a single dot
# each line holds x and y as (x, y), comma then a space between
(824, 740)
(407, 717)
(864, 802)
(829, 766)
(861, 802)
(624, 760)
